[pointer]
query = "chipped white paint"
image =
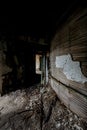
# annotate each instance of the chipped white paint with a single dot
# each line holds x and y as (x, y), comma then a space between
(70, 68)
(61, 61)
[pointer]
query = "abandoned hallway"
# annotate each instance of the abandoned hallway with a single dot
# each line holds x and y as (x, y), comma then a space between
(43, 67)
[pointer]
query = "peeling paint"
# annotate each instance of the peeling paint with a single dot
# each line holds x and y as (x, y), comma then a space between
(70, 68)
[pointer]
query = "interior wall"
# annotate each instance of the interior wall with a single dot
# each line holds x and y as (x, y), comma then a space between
(68, 62)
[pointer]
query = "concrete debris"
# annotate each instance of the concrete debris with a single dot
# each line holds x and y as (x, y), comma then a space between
(37, 108)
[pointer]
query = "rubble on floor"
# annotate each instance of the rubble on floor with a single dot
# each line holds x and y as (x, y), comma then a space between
(37, 108)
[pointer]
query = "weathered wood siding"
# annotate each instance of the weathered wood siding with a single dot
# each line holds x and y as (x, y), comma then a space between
(71, 38)
(73, 100)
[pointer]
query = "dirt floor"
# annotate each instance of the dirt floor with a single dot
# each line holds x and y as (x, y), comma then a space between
(37, 108)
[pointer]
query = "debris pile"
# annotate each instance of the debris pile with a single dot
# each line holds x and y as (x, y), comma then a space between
(37, 108)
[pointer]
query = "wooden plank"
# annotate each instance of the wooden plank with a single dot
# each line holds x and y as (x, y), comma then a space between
(72, 38)
(81, 88)
(80, 57)
(75, 101)
(77, 15)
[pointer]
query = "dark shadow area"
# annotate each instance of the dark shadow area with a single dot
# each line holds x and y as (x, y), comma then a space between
(19, 57)
(10, 83)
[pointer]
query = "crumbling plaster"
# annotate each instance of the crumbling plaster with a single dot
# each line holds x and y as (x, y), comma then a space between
(71, 68)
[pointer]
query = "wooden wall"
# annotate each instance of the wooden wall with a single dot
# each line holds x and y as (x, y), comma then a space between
(71, 38)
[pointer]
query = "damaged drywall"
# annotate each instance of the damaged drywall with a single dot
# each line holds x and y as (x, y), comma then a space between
(70, 68)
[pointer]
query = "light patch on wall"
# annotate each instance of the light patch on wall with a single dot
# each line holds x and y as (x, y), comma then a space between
(70, 68)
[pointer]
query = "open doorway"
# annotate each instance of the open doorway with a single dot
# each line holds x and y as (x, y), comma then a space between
(38, 64)
(38, 67)
(42, 67)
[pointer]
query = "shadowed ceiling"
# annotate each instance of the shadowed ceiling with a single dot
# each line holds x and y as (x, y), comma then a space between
(36, 20)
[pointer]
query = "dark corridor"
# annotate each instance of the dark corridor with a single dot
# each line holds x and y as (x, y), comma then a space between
(25, 33)
(20, 58)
